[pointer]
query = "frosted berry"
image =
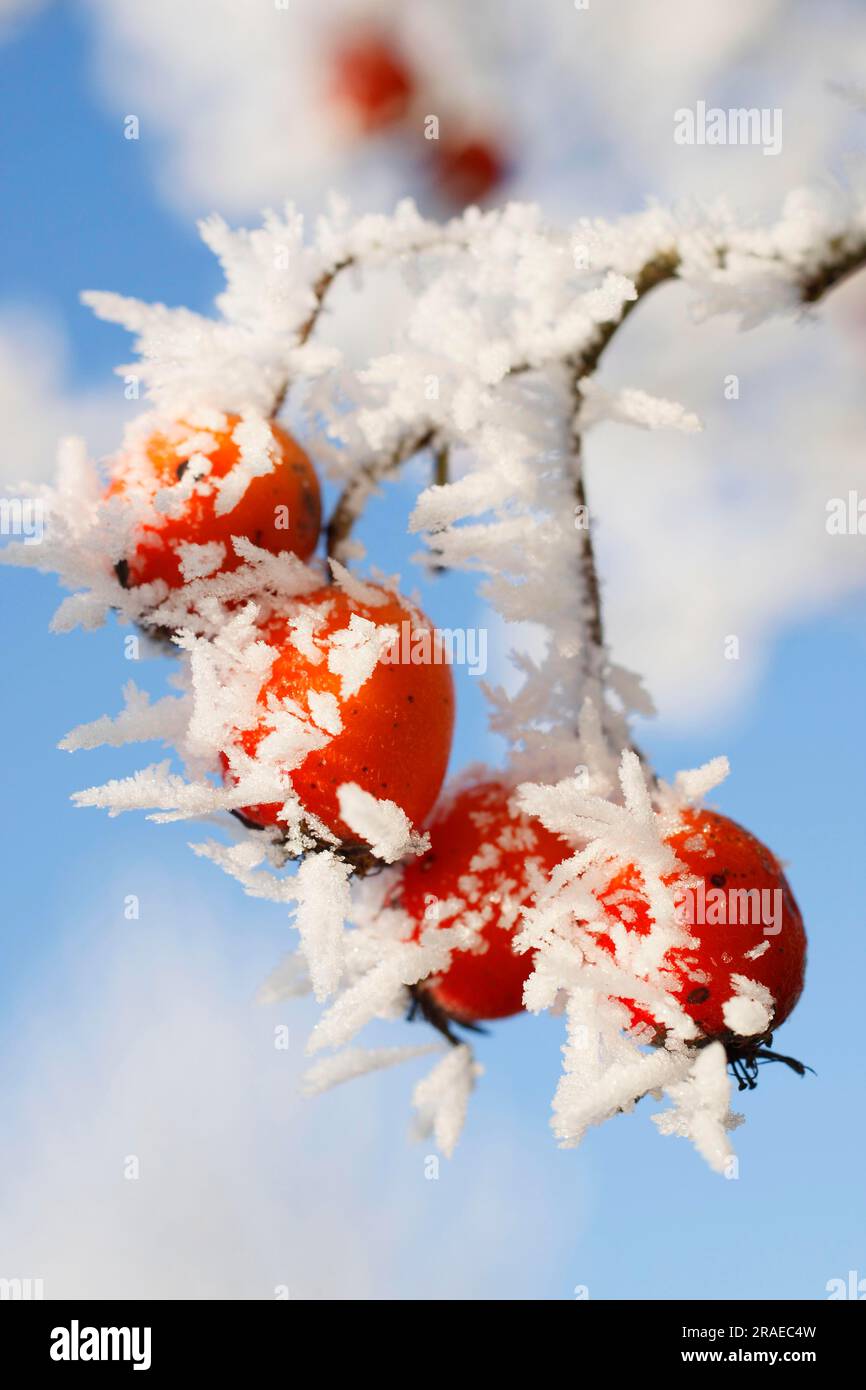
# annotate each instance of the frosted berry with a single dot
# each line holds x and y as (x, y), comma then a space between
(174, 481)
(385, 719)
(492, 858)
(745, 924)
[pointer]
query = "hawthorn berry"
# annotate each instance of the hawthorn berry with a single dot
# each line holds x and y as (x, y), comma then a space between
(491, 858)
(175, 478)
(371, 80)
(466, 169)
(385, 722)
(745, 925)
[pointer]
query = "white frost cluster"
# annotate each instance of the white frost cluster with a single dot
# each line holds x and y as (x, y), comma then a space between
(504, 317)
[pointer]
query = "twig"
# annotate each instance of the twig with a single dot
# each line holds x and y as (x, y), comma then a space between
(655, 272)
(660, 269)
(362, 484)
(320, 290)
(833, 272)
(440, 466)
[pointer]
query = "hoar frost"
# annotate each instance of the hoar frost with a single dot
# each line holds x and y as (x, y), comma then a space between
(508, 319)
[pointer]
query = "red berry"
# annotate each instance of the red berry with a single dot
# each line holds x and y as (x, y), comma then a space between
(467, 170)
(371, 81)
(396, 730)
(278, 511)
(493, 858)
(729, 929)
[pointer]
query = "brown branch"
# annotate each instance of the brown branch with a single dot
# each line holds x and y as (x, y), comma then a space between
(664, 267)
(320, 291)
(327, 278)
(363, 483)
(656, 272)
(661, 268)
(588, 567)
(833, 272)
(440, 466)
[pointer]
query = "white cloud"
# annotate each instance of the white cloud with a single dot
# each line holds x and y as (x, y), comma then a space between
(703, 537)
(13, 13)
(38, 406)
(145, 1042)
(237, 93)
(230, 90)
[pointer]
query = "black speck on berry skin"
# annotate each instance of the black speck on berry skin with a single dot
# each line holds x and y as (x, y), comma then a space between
(698, 996)
(181, 468)
(718, 880)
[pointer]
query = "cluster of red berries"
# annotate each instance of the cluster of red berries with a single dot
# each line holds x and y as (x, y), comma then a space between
(395, 734)
(487, 859)
(491, 859)
(375, 87)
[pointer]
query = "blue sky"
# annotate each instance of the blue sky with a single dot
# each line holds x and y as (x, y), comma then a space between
(91, 1005)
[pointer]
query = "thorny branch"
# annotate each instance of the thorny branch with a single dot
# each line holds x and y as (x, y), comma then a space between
(660, 269)
(363, 483)
(655, 272)
(663, 267)
(813, 287)
(320, 289)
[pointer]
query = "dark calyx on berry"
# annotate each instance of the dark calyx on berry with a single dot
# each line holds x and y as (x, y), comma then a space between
(744, 1055)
